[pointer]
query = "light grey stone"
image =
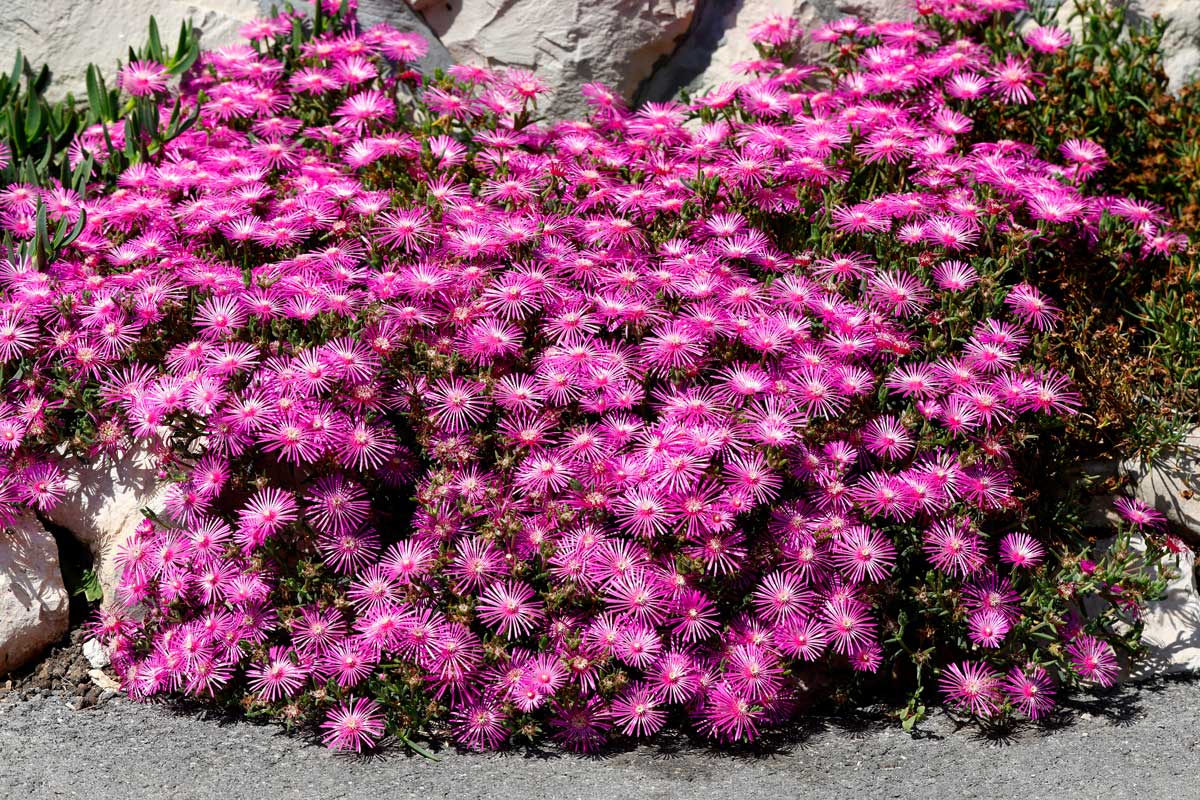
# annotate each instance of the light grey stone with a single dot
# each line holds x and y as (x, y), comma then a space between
(103, 681)
(103, 506)
(1171, 483)
(34, 606)
(719, 38)
(1172, 625)
(566, 42)
(96, 654)
(69, 34)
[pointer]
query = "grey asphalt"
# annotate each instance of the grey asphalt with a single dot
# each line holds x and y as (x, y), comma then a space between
(1143, 742)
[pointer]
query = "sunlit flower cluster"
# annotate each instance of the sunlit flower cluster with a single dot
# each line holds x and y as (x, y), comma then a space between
(586, 425)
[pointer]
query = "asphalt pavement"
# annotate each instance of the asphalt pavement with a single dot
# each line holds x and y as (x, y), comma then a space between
(1140, 742)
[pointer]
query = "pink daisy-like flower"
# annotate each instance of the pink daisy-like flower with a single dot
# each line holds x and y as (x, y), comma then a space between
(1012, 79)
(510, 608)
(349, 552)
(353, 725)
(279, 677)
(954, 548)
(988, 628)
(729, 715)
(864, 554)
(1094, 660)
(1139, 513)
(973, 687)
(1021, 550)
(1031, 306)
(848, 624)
(480, 725)
(637, 711)
(1030, 690)
(267, 512)
(143, 78)
(1047, 38)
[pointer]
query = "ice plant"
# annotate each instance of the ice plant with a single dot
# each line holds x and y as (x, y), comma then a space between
(572, 428)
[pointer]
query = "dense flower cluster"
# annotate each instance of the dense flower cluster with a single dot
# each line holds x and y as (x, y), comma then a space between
(498, 424)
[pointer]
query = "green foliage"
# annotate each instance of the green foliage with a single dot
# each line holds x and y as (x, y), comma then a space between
(1130, 335)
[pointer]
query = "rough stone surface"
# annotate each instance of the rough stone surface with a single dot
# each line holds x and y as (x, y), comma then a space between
(1135, 743)
(1182, 40)
(1172, 625)
(70, 34)
(402, 17)
(567, 42)
(103, 506)
(34, 607)
(96, 654)
(719, 37)
(1171, 483)
(646, 49)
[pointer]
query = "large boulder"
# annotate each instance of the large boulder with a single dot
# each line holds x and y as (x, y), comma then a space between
(103, 506)
(1172, 625)
(1171, 483)
(402, 17)
(719, 37)
(1181, 44)
(567, 42)
(69, 34)
(34, 606)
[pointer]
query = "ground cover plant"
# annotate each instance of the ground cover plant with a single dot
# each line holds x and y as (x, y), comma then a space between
(491, 428)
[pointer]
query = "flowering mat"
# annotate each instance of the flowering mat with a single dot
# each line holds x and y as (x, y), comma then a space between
(481, 427)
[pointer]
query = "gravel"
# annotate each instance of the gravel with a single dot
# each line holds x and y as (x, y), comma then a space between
(1141, 742)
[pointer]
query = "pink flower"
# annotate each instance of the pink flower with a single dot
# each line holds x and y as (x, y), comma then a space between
(1139, 514)
(510, 608)
(1047, 38)
(1030, 690)
(1021, 550)
(972, 687)
(1094, 660)
(143, 78)
(353, 725)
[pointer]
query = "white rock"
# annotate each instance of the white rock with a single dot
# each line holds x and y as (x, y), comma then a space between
(719, 37)
(404, 17)
(96, 654)
(1172, 625)
(103, 506)
(567, 42)
(33, 600)
(1181, 42)
(1171, 483)
(69, 34)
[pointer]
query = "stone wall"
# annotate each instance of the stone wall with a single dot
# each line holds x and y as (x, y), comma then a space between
(647, 49)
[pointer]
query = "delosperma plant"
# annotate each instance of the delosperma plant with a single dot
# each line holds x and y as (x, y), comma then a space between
(488, 428)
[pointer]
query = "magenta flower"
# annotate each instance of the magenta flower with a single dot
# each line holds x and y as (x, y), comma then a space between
(279, 677)
(1030, 690)
(1021, 550)
(510, 608)
(972, 687)
(142, 78)
(354, 725)
(1047, 38)
(1139, 514)
(638, 712)
(1094, 660)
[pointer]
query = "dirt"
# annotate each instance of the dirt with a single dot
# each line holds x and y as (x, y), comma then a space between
(63, 672)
